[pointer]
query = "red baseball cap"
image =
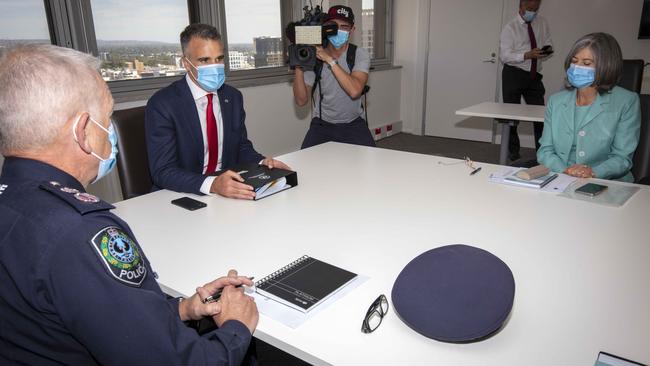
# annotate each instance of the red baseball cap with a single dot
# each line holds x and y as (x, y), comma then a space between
(340, 12)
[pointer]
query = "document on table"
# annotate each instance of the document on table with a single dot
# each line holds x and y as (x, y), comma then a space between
(557, 185)
(293, 318)
(616, 194)
(271, 188)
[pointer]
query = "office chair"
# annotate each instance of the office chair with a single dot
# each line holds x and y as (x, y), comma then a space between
(632, 77)
(641, 160)
(132, 161)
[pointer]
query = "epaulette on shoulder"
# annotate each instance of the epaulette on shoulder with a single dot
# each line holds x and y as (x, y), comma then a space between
(81, 201)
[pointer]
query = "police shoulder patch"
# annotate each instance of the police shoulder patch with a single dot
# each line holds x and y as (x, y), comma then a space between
(121, 255)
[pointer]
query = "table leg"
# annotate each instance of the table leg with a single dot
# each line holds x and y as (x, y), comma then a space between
(505, 137)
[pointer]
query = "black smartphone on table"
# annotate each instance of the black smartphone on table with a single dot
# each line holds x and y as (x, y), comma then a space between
(591, 189)
(188, 203)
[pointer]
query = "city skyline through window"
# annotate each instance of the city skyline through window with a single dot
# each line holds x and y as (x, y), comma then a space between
(254, 34)
(23, 22)
(138, 39)
(132, 44)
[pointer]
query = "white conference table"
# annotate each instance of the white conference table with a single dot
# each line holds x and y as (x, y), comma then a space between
(505, 114)
(582, 271)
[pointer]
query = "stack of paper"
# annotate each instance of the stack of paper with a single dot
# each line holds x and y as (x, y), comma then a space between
(552, 182)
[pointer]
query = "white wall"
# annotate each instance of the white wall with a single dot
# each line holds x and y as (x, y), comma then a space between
(277, 126)
(568, 21)
(410, 29)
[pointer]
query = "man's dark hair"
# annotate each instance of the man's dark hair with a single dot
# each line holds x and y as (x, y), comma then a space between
(607, 57)
(203, 31)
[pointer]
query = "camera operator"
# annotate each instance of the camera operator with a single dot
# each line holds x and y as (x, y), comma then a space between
(337, 111)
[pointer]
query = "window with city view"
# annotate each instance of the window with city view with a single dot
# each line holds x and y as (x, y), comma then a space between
(23, 22)
(367, 26)
(137, 40)
(134, 44)
(254, 34)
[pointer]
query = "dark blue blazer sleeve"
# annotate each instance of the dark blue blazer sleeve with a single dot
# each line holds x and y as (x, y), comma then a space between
(173, 162)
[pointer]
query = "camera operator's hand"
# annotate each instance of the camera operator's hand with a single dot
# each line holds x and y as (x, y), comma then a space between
(300, 90)
(323, 54)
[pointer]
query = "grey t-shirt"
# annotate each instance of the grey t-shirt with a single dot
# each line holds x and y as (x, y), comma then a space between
(338, 107)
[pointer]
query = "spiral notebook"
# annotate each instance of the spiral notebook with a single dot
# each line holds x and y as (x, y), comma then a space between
(304, 283)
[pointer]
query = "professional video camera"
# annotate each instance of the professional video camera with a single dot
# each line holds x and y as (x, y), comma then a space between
(305, 34)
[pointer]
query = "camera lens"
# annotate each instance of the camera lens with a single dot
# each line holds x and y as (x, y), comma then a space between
(303, 53)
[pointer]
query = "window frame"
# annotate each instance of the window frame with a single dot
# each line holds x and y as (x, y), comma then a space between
(70, 23)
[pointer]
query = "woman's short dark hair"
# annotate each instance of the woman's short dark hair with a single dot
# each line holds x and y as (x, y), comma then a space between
(203, 31)
(607, 57)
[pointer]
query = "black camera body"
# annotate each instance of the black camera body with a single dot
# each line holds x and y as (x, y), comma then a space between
(305, 35)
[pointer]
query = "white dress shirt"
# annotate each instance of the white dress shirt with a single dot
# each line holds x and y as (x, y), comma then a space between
(515, 41)
(201, 100)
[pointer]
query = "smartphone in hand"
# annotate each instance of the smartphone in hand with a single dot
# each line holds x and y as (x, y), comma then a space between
(547, 50)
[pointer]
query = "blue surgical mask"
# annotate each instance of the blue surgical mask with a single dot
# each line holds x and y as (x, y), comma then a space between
(529, 16)
(210, 77)
(581, 76)
(339, 39)
(105, 165)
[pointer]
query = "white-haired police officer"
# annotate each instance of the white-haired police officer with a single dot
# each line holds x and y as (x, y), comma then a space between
(75, 286)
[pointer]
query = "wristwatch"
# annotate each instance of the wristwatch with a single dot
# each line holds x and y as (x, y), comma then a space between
(332, 63)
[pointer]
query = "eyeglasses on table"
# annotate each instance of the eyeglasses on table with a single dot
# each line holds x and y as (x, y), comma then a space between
(375, 314)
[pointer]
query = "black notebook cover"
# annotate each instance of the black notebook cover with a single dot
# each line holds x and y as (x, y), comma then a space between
(304, 283)
(258, 176)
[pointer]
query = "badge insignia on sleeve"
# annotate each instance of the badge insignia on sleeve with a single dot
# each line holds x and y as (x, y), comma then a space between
(85, 197)
(121, 255)
(69, 190)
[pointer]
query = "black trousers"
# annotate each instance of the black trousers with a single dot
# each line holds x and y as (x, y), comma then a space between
(515, 84)
(355, 132)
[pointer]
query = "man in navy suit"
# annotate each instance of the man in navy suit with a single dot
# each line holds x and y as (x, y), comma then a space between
(195, 126)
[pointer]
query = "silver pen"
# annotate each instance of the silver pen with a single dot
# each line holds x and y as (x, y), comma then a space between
(217, 295)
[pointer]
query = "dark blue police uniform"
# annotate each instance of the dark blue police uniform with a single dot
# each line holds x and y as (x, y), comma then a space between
(76, 288)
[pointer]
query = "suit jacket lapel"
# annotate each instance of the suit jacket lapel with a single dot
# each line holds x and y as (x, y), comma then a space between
(191, 119)
(565, 116)
(596, 109)
(568, 111)
(225, 104)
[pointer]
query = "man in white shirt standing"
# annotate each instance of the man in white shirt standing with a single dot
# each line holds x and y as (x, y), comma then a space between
(525, 43)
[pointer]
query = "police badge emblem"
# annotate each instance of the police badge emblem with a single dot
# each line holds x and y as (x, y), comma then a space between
(121, 255)
(86, 197)
(69, 190)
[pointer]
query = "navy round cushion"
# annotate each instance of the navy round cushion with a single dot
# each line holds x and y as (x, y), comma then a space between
(455, 293)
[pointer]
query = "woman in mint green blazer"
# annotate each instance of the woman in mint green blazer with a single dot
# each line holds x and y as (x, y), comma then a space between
(591, 129)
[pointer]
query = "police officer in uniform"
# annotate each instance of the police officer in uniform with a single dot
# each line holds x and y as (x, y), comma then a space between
(75, 286)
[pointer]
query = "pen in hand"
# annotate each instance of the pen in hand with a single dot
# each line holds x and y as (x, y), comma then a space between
(217, 295)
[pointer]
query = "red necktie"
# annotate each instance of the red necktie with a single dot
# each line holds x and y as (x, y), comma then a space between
(533, 45)
(213, 137)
